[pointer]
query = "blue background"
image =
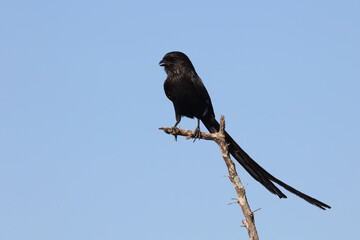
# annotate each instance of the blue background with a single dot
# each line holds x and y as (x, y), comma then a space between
(81, 101)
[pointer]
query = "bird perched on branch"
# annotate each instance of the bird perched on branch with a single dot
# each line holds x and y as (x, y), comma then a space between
(191, 99)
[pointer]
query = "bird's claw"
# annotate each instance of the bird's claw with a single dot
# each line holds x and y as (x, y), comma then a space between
(197, 134)
(174, 132)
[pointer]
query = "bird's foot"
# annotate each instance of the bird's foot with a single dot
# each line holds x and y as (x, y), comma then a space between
(197, 134)
(174, 132)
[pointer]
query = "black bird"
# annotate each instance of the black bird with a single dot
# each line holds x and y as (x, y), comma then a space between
(190, 98)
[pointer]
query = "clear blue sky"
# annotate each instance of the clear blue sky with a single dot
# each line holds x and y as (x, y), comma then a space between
(81, 100)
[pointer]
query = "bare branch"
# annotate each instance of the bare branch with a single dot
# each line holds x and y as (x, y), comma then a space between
(219, 138)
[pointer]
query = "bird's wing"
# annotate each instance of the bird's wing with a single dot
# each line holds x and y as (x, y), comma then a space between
(204, 95)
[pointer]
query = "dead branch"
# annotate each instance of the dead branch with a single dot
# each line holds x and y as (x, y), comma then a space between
(219, 138)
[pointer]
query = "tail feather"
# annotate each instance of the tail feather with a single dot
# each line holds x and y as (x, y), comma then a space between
(255, 170)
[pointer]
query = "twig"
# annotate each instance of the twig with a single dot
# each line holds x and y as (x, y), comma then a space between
(219, 138)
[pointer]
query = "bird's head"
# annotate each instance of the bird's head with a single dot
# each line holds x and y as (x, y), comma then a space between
(176, 61)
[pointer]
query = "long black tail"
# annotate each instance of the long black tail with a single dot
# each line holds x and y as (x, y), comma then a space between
(255, 170)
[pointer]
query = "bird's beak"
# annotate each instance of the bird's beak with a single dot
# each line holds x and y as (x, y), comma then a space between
(162, 63)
